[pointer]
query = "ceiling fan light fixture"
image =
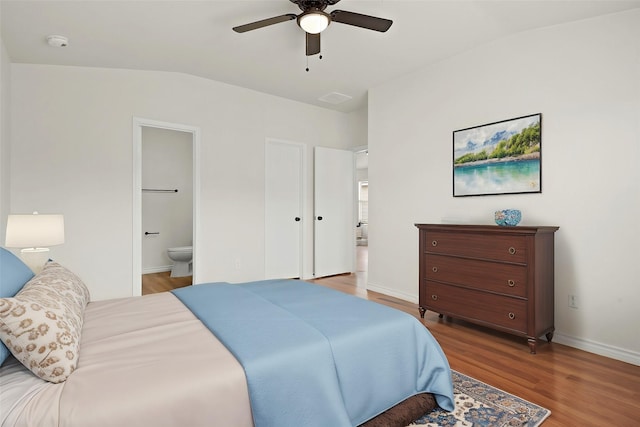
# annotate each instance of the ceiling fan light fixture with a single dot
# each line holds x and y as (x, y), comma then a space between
(314, 21)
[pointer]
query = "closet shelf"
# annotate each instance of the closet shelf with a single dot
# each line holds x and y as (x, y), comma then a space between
(156, 190)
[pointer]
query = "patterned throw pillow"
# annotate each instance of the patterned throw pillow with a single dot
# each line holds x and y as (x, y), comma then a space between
(41, 325)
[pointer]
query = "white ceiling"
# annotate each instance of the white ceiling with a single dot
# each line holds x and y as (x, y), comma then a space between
(195, 37)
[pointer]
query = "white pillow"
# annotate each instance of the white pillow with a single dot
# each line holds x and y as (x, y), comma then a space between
(41, 325)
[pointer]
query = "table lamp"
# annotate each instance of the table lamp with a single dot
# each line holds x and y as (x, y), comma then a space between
(34, 233)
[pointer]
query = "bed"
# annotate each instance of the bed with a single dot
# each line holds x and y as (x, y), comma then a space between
(268, 353)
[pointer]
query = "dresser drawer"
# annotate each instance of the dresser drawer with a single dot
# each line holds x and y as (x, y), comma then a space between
(507, 279)
(478, 306)
(477, 245)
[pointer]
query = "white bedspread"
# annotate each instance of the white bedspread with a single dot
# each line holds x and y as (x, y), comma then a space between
(143, 362)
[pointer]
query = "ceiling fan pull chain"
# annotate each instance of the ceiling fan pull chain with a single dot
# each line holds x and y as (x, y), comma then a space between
(307, 69)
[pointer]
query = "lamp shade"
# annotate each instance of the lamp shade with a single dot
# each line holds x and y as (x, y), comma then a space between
(314, 22)
(32, 231)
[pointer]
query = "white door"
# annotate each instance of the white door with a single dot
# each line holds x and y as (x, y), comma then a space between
(284, 173)
(335, 221)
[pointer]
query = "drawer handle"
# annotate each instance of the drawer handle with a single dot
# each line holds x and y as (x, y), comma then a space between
(434, 243)
(435, 269)
(512, 250)
(511, 282)
(512, 316)
(434, 297)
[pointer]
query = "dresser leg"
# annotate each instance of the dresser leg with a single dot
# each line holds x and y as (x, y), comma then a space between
(532, 345)
(549, 336)
(422, 311)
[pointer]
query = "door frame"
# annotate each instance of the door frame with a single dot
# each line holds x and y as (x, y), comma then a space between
(356, 150)
(138, 124)
(303, 200)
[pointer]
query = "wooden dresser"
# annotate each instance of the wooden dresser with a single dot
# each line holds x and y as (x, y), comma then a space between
(499, 277)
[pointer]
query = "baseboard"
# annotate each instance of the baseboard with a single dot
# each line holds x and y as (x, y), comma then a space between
(392, 293)
(606, 350)
(160, 269)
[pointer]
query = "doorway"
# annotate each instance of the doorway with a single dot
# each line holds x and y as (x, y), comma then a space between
(362, 230)
(164, 197)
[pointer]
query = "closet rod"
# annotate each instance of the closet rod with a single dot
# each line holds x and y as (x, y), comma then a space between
(154, 190)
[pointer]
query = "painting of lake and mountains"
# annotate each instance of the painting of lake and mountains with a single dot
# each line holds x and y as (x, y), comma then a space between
(498, 158)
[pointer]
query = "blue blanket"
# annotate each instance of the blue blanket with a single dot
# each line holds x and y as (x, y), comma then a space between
(318, 357)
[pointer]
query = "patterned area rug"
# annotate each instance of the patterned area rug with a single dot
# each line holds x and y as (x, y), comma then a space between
(481, 405)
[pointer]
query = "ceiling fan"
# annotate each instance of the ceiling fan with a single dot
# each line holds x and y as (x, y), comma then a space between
(313, 20)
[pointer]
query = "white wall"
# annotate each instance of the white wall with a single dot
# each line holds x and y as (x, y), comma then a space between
(167, 163)
(584, 78)
(4, 138)
(358, 120)
(72, 153)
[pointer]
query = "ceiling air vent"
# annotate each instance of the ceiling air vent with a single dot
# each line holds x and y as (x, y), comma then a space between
(335, 98)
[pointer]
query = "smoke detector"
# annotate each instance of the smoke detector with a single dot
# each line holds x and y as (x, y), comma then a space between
(57, 41)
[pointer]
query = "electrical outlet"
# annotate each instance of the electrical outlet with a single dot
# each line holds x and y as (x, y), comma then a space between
(573, 301)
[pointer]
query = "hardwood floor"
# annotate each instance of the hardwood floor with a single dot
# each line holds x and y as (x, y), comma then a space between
(162, 282)
(580, 388)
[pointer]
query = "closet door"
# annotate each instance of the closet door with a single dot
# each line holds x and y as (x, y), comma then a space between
(334, 207)
(283, 209)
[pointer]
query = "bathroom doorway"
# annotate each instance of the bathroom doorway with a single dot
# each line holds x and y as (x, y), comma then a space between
(166, 189)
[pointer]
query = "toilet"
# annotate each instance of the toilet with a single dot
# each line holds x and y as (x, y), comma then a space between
(182, 260)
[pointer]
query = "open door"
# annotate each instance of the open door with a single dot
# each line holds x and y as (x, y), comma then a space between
(334, 205)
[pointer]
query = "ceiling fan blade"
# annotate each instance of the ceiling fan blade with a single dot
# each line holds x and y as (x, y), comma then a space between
(264, 23)
(313, 44)
(362, 21)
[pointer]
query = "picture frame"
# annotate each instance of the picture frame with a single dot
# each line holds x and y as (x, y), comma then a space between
(502, 157)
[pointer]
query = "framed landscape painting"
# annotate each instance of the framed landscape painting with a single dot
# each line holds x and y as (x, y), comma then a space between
(498, 158)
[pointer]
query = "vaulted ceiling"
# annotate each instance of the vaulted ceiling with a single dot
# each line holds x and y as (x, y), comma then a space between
(196, 37)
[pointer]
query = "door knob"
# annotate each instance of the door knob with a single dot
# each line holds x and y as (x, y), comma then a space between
(297, 218)
(319, 218)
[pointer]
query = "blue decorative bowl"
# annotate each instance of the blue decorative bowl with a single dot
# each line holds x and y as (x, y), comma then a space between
(508, 217)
